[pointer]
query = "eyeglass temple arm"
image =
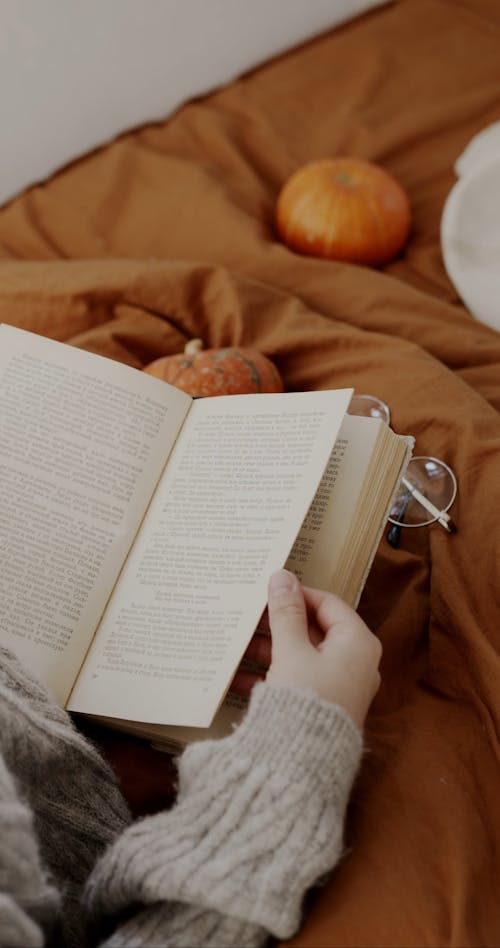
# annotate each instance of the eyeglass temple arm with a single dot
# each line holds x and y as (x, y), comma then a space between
(440, 515)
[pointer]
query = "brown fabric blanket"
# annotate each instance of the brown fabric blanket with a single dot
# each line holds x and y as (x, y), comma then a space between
(168, 233)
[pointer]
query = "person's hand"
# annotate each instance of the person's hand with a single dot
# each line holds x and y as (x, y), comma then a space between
(320, 643)
(255, 662)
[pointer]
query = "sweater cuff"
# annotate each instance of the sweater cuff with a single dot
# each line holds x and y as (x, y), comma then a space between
(294, 730)
(259, 818)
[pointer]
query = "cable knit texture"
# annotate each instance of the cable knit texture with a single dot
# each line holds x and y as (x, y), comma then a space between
(66, 809)
(258, 820)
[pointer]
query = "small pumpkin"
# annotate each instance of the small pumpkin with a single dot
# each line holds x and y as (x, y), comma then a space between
(205, 372)
(344, 209)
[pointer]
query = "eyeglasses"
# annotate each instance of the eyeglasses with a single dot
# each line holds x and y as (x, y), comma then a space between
(369, 407)
(427, 489)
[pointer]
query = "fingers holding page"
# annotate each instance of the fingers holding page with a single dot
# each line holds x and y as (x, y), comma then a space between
(254, 664)
(259, 650)
(320, 643)
(287, 610)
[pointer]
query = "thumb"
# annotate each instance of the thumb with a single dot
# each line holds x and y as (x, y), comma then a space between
(286, 608)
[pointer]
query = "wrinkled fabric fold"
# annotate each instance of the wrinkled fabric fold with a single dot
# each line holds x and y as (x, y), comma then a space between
(168, 233)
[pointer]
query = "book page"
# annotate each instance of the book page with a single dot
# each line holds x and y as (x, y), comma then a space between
(83, 441)
(315, 555)
(224, 516)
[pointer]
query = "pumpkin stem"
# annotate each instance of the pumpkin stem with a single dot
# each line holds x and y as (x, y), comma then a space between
(193, 346)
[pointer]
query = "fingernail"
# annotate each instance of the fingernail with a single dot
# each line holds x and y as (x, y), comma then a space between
(281, 582)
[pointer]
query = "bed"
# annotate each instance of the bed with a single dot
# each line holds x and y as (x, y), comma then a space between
(166, 233)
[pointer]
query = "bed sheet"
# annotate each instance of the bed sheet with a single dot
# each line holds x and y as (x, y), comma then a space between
(168, 233)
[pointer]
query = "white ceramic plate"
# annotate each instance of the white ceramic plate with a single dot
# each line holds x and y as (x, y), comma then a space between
(482, 148)
(470, 239)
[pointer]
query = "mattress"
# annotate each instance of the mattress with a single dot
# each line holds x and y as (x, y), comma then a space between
(167, 233)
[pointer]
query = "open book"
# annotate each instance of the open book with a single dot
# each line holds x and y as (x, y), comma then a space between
(138, 527)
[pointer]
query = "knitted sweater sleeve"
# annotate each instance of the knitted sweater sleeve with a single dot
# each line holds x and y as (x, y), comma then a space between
(259, 819)
(26, 895)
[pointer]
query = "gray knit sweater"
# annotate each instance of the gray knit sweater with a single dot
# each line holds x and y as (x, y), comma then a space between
(258, 820)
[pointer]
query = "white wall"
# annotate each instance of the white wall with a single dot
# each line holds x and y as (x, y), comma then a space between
(74, 73)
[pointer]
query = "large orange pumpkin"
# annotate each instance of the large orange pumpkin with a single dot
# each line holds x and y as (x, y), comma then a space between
(344, 209)
(231, 371)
